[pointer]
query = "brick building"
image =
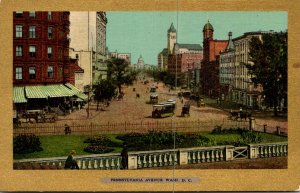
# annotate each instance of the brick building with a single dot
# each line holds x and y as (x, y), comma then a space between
(210, 84)
(41, 48)
(41, 64)
(186, 59)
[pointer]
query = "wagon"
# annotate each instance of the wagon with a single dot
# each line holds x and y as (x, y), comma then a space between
(153, 98)
(185, 110)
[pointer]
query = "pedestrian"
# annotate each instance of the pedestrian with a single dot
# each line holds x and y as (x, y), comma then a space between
(71, 162)
(67, 129)
(87, 112)
(124, 155)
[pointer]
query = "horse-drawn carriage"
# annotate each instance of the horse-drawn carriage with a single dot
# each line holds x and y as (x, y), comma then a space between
(39, 116)
(236, 115)
(153, 98)
(185, 110)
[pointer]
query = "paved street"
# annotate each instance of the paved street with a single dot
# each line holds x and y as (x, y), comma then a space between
(132, 109)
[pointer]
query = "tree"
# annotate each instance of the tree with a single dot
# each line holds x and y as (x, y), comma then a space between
(269, 67)
(105, 90)
(119, 72)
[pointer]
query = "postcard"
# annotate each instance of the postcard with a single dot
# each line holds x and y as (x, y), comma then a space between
(140, 96)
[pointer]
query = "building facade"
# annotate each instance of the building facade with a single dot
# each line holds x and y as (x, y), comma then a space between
(88, 45)
(210, 84)
(124, 56)
(100, 67)
(41, 48)
(244, 91)
(227, 70)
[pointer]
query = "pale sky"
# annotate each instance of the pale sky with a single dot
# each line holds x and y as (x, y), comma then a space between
(145, 33)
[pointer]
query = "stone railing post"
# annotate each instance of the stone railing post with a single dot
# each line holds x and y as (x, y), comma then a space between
(183, 157)
(253, 151)
(278, 130)
(251, 124)
(229, 153)
(132, 162)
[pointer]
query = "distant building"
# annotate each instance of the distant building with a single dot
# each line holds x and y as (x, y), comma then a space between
(210, 84)
(125, 56)
(186, 58)
(162, 59)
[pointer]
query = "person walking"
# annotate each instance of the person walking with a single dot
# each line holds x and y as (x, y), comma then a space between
(124, 155)
(71, 162)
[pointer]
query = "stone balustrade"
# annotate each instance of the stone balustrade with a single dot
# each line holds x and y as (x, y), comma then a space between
(278, 149)
(89, 162)
(169, 157)
(151, 159)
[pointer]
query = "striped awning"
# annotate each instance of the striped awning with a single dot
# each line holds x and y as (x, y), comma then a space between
(19, 95)
(51, 91)
(76, 91)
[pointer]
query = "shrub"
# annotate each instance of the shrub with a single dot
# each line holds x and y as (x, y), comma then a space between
(98, 149)
(26, 144)
(102, 141)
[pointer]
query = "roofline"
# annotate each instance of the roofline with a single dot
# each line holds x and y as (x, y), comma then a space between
(253, 33)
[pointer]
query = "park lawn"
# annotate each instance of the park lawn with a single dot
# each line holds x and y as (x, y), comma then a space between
(266, 138)
(57, 146)
(61, 145)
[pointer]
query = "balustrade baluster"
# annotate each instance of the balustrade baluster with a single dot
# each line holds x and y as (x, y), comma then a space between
(144, 162)
(160, 160)
(101, 166)
(83, 165)
(202, 157)
(175, 159)
(198, 157)
(90, 164)
(274, 151)
(217, 155)
(285, 150)
(79, 163)
(154, 160)
(265, 151)
(118, 163)
(207, 156)
(189, 155)
(139, 162)
(269, 151)
(165, 160)
(106, 164)
(221, 155)
(112, 163)
(277, 150)
(213, 155)
(150, 161)
(59, 164)
(193, 157)
(280, 150)
(259, 151)
(95, 164)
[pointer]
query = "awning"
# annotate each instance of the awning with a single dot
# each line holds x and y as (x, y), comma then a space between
(47, 91)
(19, 95)
(76, 91)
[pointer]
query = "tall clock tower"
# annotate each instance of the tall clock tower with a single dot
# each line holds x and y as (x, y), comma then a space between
(171, 39)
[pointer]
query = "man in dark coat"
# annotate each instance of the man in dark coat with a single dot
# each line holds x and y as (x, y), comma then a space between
(124, 155)
(71, 162)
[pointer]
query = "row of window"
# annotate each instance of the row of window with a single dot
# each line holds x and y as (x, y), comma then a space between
(32, 31)
(32, 14)
(32, 72)
(32, 51)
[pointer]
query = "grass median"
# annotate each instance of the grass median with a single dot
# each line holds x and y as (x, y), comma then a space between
(57, 146)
